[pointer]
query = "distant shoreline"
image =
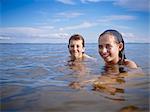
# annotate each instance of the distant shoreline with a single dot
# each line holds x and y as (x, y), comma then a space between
(67, 43)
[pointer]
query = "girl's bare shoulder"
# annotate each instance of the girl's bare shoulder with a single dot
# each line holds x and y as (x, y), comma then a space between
(130, 63)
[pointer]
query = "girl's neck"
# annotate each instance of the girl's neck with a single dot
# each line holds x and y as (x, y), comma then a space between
(117, 61)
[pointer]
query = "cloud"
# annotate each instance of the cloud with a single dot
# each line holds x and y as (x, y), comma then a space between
(134, 5)
(111, 18)
(86, 1)
(73, 2)
(79, 26)
(68, 14)
(20, 31)
(120, 17)
(31, 32)
(131, 37)
(69, 2)
(4, 37)
(102, 21)
(128, 35)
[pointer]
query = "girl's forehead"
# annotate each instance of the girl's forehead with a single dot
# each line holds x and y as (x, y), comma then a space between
(107, 38)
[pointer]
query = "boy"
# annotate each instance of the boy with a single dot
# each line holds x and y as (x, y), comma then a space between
(77, 48)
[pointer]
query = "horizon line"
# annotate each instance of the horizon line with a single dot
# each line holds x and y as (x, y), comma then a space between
(64, 43)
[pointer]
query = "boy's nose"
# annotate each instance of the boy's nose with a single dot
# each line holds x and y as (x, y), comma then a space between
(74, 48)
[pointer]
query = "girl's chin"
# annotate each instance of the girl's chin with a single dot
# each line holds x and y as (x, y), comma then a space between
(107, 60)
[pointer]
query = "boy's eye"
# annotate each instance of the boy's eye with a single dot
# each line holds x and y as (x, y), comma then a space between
(72, 46)
(78, 46)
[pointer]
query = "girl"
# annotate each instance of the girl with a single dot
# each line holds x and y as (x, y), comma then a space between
(111, 49)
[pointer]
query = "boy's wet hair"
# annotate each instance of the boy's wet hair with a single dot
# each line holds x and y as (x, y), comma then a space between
(119, 39)
(77, 37)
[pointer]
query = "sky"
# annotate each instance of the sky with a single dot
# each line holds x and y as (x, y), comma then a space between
(54, 21)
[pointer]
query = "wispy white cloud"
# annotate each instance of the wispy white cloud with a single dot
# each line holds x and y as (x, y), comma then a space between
(4, 37)
(69, 14)
(20, 31)
(121, 17)
(134, 5)
(131, 37)
(73, 2)
(31, 32)
(85, 1)
(94, 1)
(128, 35)
(79, 26)
(69, 2)
(116, 18)
(102, 21)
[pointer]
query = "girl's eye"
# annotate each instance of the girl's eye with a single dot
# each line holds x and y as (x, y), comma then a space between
(100, 46)
(108, 46)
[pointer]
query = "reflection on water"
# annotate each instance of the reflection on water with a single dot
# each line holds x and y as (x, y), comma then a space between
(35, 77)
(111, 81)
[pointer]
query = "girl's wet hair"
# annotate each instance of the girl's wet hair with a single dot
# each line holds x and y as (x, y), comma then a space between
(119, 39)
(77, 37)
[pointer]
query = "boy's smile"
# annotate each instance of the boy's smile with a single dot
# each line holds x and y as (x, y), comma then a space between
(76, 49)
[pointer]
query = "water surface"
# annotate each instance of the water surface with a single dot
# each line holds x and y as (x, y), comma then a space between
(35, 77)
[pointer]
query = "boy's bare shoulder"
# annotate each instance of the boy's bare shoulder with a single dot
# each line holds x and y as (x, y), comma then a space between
(130, 63)
(88, 57)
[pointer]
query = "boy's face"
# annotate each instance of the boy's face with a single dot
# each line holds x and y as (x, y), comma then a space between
(109, 49)
(76, 48)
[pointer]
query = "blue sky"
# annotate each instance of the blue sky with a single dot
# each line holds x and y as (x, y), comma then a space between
(54, 21)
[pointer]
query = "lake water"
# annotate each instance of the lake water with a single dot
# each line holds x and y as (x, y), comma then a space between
(36, 77)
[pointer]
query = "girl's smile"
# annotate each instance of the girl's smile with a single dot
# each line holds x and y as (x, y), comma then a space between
(109, 49)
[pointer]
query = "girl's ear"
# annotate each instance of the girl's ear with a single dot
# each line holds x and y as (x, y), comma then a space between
(120, 46)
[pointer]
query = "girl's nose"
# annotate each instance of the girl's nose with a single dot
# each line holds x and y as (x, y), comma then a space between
(104, 50)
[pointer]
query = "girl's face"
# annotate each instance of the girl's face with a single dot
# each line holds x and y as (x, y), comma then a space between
(109, 49)
(76, 49)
